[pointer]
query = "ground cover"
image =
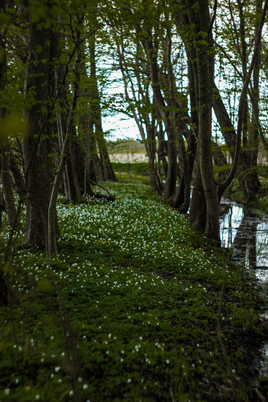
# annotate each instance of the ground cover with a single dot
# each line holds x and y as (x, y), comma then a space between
(136, 171)
(129, 311)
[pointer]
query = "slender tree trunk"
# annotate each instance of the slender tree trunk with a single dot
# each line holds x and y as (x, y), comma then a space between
(146, 122)
(70, 180)
(94, 170)
(74, 194)
(52, 224)
(162, 149)
(17, 175)
(150, 144)
(171, 178)
(7, 187)
(4, 293)
(95, 115)
(224, 120)
(252, 183)
(4, 147)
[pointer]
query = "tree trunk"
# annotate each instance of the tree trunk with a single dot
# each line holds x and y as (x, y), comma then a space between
(197, 214)
(4, 147)
(252, 183)
(105, 167)
(171, 178)
(7, 187)
(162, 149)
(37, 142)
(17, 175)
(52, 223)
(247, 166)
(74, 194)
(203, 76)
(205, 67)
(182, 198)
(150, 145)
(70, 180)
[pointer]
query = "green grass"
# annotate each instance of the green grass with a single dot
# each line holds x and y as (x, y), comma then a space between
(130, 172)
(141, 291)
(138, 168)
(261, 203)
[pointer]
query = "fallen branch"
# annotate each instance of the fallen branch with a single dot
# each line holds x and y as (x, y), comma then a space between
(108, 197)
(98, 185)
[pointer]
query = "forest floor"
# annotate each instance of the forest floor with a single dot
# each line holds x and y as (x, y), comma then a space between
(137, 307)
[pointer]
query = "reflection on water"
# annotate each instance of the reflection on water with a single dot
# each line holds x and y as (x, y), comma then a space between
(247, 234)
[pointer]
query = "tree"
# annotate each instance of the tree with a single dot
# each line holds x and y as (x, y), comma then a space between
(173, 112)
(37, 143)
(135, 75)
(195, 29)
(105, 167)
(154, 100)
(243, 18)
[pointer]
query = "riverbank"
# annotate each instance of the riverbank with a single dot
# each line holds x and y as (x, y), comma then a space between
(133, 309)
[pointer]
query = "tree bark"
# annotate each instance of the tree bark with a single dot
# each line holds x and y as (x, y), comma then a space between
(4, 147)
(7, 187)
(37, 142)
(171, 178)
(203, 77)
(17, 175)
(205, 66)
(52, 223)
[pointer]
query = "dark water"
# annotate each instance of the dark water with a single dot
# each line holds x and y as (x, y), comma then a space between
(246, 232)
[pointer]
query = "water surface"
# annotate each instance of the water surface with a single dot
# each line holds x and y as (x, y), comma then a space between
(246, 232)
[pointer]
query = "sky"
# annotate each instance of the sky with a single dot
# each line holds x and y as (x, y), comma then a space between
(120, 127)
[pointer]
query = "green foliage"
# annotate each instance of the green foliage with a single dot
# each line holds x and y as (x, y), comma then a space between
(137, 168)
(141, 290)
(138, 171)
(261, 202)
(12, 126)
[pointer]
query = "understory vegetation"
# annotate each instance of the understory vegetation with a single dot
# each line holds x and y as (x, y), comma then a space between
(136, 171)
(137, 307)
(139, 171)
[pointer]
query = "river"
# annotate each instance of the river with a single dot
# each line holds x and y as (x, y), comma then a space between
(246, 232)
